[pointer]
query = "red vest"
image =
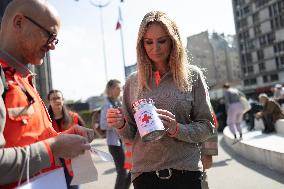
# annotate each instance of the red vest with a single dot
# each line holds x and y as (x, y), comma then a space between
(75, 120)
(27, 119)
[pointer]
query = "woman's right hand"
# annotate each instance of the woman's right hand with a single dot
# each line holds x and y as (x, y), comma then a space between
(115, 118)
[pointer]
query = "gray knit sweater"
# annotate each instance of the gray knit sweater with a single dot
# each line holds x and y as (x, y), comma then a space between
(192, 111)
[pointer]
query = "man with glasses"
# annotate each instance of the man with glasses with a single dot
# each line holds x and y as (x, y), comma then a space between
(28, 31)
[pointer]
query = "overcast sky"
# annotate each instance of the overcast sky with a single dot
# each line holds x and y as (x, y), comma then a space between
(78, 67)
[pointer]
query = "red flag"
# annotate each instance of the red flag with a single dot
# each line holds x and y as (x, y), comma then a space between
(118, 25)
(119, 20)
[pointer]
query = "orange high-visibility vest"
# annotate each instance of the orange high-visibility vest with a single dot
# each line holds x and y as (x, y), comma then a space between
(75, 121)
(27, 119)
(58, 128)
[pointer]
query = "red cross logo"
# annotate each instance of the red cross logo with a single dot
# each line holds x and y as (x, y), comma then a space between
(146, 118)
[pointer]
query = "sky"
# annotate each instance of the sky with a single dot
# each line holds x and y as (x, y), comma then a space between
(78, 64)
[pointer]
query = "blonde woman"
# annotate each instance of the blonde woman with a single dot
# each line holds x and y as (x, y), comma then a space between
(180, 94)
(115, 146)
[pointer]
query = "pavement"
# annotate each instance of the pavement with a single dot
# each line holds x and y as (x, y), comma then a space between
(106, 170)
(229, 171)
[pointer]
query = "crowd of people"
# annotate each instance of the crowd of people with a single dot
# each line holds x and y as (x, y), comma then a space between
(178, 159)
(266, 109)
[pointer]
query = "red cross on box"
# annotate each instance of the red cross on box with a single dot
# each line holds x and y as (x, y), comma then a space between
(146, 118)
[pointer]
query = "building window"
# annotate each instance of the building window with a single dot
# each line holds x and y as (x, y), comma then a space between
(253, 81)
(246, 82)
(260, 55)
(274, 77)
(237, 13)
(265, 79)
(281, 21)
(250, 45)
(240, 36)
(246, 34)
(259, 3)
(278, 47)
(262, 40)
(270, 38)
(281, 6)
(243, 59)
(239, 2)
(243, 22)
(248, 58)
(241, 47)
(247, 9)
(276, 8)
(257, 30)
(262, 67)
(277, 22)
(255, 17)
(250, 69)
(279, 62)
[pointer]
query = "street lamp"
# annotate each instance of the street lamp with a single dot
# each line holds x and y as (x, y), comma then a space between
(100, 5)
(121, 38)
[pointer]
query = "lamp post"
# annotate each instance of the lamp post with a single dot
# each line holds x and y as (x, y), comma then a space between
(122, 40)
(100, 5)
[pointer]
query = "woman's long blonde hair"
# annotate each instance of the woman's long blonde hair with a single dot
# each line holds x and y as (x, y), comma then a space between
(178, 61)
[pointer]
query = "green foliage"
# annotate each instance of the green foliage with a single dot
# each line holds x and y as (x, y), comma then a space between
(86, 115)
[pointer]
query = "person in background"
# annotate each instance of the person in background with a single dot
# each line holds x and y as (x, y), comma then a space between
(62, 120)
(29, 30)
(255, 107)
(270, 113)
(278, 94)
(234, 109)
(115, 146)
(221, 114)
(181, 97)
(96, 115)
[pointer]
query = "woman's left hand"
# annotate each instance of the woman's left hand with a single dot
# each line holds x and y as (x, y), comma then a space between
(207, 161)
(168, 120)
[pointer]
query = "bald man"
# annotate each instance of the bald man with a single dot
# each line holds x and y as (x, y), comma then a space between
(28, 31)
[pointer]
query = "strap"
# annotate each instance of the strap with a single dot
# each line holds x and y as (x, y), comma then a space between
(115, 104)
(27, 163)
(30, 98)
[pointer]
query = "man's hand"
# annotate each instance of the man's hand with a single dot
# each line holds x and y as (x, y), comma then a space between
(207, 161)
(68, 145)
(85, 132)
(258, 115)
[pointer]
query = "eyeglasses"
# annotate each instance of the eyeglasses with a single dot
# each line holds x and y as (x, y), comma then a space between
(51, 36)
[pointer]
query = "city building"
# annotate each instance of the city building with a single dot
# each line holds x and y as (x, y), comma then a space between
(130, 69)
(260, 32)
(43, 72)
(217, 55)
(96, 102)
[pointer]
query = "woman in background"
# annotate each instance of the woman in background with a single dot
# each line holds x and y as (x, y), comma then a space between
(63, 119)
(113, 91)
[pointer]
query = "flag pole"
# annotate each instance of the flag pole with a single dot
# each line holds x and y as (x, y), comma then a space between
(122, 41)
(101, 6)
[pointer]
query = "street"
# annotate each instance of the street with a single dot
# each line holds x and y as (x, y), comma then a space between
(229, 171)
